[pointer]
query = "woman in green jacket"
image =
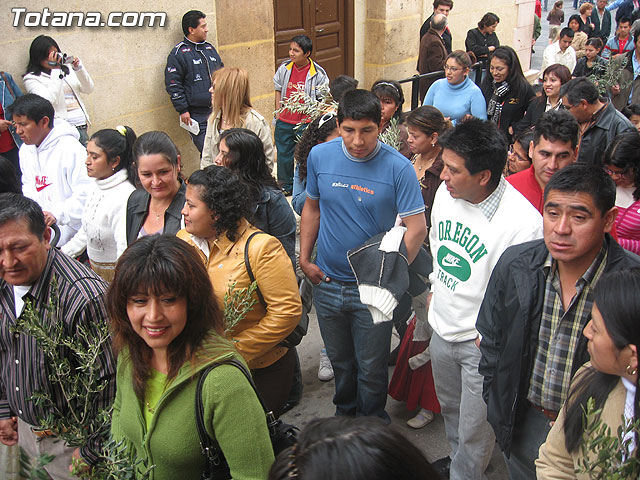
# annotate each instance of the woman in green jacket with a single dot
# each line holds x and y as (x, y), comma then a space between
(167, 329)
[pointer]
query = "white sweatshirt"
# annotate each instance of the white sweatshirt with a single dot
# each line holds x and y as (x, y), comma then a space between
(55, 176)
(103, 231)
(51, 87)
(466, 246)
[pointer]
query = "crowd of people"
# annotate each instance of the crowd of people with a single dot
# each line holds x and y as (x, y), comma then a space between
(496, 228)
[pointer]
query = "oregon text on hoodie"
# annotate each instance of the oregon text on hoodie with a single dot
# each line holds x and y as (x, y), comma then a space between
(55, 176)
(465, 246)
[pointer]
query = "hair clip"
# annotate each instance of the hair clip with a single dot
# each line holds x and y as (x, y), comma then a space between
(122, 130)
(389, 84)
(325, 118)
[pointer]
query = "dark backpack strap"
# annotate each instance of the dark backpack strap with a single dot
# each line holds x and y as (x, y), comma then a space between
(248, 266)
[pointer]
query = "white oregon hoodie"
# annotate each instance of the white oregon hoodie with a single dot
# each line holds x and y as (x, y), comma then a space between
(54, 175)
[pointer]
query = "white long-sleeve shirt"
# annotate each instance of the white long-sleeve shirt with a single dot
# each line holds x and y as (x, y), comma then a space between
(552, 54)
(103, 231)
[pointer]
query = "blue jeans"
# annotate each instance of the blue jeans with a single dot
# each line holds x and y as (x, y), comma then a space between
(529, 433)
(459, 389)
(358, 350)
(285, 137)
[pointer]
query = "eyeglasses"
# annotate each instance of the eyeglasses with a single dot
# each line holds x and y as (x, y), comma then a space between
(618, 174)
(447, 68)
(512, 151)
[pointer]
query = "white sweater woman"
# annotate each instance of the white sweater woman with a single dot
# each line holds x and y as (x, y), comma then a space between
(103, 224)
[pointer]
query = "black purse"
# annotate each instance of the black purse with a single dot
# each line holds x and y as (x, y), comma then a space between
(282, 434)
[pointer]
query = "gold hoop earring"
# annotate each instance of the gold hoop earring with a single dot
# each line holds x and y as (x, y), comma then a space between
(631, 371)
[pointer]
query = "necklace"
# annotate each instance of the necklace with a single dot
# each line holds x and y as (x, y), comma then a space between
(426, 164)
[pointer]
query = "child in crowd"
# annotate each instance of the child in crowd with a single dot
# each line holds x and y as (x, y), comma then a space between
(297, 73)
(632, 112)
(555, 19)
(391, 97)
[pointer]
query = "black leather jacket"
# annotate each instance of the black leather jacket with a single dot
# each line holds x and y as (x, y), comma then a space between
(138, 209)
(509, 321)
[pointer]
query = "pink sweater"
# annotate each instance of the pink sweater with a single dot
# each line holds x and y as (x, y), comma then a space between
(628, 227)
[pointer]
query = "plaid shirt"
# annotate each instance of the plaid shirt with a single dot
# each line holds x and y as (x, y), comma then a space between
(490, 205)
(560, 332)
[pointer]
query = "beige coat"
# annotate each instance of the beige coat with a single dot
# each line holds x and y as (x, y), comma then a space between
(254, 122)
(554, 462)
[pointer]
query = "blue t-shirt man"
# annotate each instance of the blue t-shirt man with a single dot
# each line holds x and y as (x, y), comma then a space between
(359, 198)
(356, 187)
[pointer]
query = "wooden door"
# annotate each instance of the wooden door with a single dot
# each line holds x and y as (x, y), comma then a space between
(329, 24)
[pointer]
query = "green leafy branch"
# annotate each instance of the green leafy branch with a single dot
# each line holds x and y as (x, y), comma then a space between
(299, 102)
(237, 303)
(609, 75)
(605, 456)
(391, 136)
(72, 365)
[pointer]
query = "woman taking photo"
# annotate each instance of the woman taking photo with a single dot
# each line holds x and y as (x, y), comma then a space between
(622, 163)
(506, 90)
(232, 108)
(155, 208)
(611, 379)
(50, 76)
(456, 96)
(483, 41)
(553, 77)
(167, 328)
(392, 99)
(215, 213)
(241, 151)
(103, 233)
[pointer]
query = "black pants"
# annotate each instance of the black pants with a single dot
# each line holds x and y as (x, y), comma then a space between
(274, 382)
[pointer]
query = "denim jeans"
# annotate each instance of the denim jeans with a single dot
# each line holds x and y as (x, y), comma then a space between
(358, 350)
(459, 389)
(285, 137)
(529, 433)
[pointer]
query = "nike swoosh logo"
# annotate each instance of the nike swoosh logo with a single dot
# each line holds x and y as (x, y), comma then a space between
(39, 189)
(449, 263)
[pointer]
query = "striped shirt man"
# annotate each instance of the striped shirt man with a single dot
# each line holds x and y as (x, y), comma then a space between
(23, 367)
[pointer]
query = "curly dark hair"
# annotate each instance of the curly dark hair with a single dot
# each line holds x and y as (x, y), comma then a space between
(312, 136)
(246, 158)
(226, 196)
(159, 265)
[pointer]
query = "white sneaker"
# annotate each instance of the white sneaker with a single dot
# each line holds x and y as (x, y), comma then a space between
(325, 371)
(423, 418)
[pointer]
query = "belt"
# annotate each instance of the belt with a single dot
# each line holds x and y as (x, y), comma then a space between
(344, 284)
(550, 414)
(43, 433)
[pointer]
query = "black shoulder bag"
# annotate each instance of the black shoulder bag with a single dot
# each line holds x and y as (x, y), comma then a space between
(305, 290)
(282, 434)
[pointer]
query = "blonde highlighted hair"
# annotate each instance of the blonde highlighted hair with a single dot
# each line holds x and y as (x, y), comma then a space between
(231, 95)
